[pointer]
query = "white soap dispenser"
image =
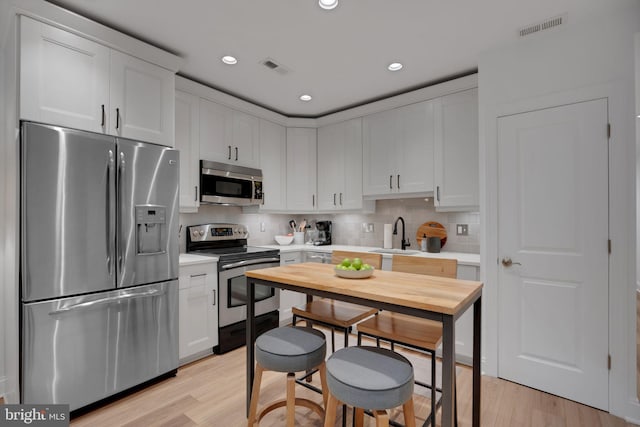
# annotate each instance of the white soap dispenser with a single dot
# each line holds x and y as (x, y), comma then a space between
(423, 244)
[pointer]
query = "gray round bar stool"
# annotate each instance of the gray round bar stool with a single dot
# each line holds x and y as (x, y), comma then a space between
(369, 378)
(288, 349)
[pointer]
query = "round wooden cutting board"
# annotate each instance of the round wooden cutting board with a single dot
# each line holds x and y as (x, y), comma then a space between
(432, 229)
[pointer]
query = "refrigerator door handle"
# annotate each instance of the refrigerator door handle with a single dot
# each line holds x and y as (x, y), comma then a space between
(121, 239)
(110, 218)
(108, 300)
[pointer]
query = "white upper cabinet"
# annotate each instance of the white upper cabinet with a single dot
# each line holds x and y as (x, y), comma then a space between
(456, 151)
(70, 81)
(64, 78)
(273, 162)
(187, 141)
(227, 135)
(340, 166)
(398, 151)
(301, 169)
(141, 99)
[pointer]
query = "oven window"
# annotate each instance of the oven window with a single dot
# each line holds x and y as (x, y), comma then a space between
(226, 187)
(238, 291)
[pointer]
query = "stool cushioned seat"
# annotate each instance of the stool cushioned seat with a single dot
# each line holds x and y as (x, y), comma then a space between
(370, 377)
(291, 349)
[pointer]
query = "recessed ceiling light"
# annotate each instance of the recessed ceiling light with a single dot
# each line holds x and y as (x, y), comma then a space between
(394, 66)
(328, 4)
(229, 60)
(305, 97)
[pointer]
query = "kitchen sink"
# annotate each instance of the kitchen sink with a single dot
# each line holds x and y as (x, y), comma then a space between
(395, 251)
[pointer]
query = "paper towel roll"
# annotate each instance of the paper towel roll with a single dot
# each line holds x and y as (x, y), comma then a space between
(388, 242)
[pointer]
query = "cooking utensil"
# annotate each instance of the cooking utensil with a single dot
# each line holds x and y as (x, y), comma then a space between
(303, 225)
(432, 229)
(292, 224)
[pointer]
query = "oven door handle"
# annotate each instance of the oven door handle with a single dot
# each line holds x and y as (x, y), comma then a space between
(249, 262)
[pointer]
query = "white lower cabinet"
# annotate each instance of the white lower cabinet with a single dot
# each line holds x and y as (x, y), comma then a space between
(198, 311)
(464, 325)
(289, 299)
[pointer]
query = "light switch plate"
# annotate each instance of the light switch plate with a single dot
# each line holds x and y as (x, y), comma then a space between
(367, 227)
(462, 229)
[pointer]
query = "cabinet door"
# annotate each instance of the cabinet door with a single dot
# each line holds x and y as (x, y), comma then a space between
(245, 139)
(198, 311)
(331, 165)
(142, 100)
(301, 169)
(379, 152)
(290, 299)
(64, 79)
(340, 166)
(415, 150)
(273, 162)
(187, 127)
(215, 132)
(456, 150)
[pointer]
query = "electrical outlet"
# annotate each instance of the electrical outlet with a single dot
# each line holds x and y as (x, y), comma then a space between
(462, 229)
(262, 227)
(367, 227)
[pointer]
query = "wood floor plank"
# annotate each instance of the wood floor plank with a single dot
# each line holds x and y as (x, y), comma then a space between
(211, 392)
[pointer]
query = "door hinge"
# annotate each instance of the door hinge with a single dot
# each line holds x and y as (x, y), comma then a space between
(609, 361)
(609, 130)
(609, 245)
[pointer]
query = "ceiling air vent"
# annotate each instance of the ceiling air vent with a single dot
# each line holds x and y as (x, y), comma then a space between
(544, 25)
(271, 64)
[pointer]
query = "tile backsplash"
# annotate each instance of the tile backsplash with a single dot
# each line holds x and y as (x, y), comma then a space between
(347, 228)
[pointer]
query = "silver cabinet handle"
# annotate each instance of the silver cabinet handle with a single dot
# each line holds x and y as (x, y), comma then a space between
(334, 199)
(398, 181)
(229, 157)
(214, 297)
(313, 200)
(198, 275)
(103, 117)
(236, 154)
(438, 193)
(390, 182)
(507, 262)
(117, 118)
(340, 199)
(108, 300)
(195, 199)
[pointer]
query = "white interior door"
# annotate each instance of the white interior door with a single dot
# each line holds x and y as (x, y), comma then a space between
(553, 225)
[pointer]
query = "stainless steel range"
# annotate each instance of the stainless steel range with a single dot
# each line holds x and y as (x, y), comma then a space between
(228, 242)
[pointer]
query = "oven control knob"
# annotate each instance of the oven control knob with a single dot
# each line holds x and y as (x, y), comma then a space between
(201, 233)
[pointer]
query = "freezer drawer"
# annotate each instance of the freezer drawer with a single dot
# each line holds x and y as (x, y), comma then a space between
(82, 349)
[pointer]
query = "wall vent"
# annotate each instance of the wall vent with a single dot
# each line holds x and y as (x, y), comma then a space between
(272, 64)
(544, 25)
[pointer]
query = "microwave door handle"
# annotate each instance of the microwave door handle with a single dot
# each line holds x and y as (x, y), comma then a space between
(249, 262)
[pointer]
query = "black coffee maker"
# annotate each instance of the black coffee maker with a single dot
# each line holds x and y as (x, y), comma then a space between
(324, 233)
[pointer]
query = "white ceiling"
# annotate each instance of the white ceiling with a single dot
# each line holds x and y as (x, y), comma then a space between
(339, 56)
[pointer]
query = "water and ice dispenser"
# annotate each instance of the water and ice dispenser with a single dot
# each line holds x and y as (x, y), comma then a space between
(151, 229)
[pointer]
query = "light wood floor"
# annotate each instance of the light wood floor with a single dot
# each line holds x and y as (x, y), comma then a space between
(211, 392)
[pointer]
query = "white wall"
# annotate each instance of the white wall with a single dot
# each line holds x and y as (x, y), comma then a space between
(8, 209)
(589, 57)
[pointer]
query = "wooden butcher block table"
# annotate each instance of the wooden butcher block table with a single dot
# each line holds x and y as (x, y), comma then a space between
(429, 297)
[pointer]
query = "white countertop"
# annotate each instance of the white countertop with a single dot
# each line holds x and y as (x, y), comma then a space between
(191, 259)
(463, 258)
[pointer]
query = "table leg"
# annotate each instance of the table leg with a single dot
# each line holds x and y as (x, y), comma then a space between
(448, 369)
(477, 334)
(251, 338)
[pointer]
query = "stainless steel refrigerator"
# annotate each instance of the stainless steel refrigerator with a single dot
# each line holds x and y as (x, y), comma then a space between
(99, 264)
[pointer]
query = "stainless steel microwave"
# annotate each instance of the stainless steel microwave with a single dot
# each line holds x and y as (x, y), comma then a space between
(224, 184)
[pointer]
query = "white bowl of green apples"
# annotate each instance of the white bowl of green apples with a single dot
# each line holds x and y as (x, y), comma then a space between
(353, 269)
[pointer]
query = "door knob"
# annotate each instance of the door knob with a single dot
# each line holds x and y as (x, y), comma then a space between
(507, 262)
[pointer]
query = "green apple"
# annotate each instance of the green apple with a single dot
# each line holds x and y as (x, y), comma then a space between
(346, 262)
